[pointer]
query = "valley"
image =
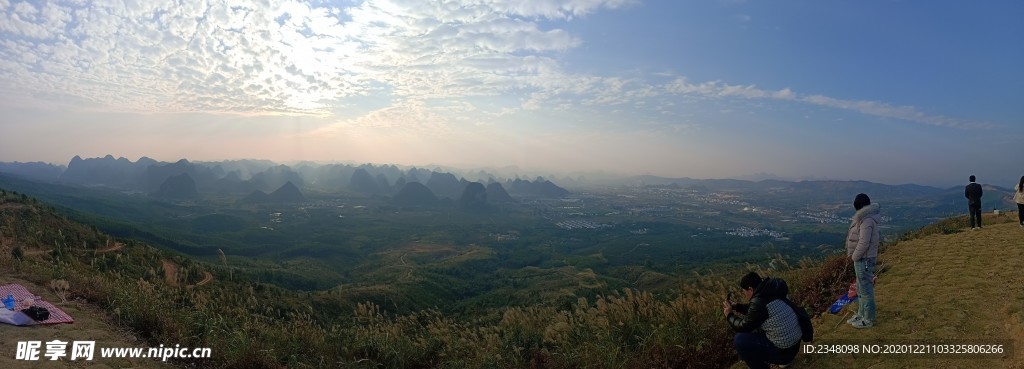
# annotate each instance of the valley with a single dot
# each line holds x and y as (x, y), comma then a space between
(353, 246)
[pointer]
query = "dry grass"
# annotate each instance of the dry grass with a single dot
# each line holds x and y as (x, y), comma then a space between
(952, 284)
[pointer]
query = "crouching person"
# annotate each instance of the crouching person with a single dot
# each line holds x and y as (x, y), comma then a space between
(770, 327)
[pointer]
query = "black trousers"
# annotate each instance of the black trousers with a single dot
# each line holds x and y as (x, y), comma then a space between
(975, 213)
(1020, 213)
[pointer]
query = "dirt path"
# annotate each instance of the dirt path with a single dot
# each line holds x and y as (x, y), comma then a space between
(965, 286)
(115, 247)
(207, 278)
(170, 272)
(91, 324)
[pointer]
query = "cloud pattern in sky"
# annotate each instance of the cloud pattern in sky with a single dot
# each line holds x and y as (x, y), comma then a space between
(422, 66)
(278, 57)
(285, 57)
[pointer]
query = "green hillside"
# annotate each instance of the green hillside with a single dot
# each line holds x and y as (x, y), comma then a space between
(162, 297)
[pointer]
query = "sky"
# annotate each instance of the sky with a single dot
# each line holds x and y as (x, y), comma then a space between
(925, 92)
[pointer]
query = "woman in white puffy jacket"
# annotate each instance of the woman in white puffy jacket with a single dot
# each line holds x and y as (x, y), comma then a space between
(1018, 197)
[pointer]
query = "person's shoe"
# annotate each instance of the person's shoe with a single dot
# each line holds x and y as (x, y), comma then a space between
(862, 324)
(974, 228)
(854, 319)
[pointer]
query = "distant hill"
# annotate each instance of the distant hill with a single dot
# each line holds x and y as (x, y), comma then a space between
(474, 197)
(445, 185)
(37, 171)
(155, 174)
(824, 187)
(363, 182)
(399, 183)
(383, 186)
(414, 194)
(255, 197)
(107, 171)
(232, 182)
(497, 194)
(275, 177)
(287, 193)
(179, 187)
(539, 187)
(246, 176)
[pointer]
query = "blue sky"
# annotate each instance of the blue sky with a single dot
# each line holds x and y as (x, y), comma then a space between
(886, 91)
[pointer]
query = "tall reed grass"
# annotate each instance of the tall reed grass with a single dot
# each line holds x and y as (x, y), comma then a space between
(251, 325)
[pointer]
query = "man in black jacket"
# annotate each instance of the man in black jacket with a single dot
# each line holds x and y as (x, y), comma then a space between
(973, 194)
(770, 330)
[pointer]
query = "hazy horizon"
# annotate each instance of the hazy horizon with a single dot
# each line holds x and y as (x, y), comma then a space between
(597, 177)
(885, 92)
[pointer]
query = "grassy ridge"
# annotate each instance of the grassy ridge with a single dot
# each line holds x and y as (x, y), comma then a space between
(943, 282)
(256, 325)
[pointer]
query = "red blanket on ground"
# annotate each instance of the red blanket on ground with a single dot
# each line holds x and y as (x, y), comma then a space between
(21, 293)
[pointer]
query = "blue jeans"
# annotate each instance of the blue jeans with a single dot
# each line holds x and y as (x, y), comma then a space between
(757, 351)
(865, 269)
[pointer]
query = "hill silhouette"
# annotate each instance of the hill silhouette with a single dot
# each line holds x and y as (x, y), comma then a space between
(237, 177)
(34, 170)
(445, 185)
(538, 187)
(497, 194)
(414, 194)
(363, 182)
(286, 193)
(474, 197)
(178, 187)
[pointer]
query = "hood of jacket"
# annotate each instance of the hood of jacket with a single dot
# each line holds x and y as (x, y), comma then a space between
(872, 211)
(771, 289)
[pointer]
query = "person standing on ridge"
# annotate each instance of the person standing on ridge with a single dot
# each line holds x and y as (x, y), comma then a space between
(862, 247)
(1018, 197)
(973, 194)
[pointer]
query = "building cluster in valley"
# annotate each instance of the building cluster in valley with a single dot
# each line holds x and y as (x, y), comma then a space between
(757, 232)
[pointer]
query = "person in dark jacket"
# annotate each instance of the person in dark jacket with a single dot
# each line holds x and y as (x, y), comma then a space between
(973, 194)
(770, 328)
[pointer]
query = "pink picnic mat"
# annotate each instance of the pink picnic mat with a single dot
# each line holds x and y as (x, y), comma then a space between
(21, 293)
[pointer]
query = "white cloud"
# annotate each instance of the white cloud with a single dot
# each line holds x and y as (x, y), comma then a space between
(290, 57)
(284, 57)
(720, 89)
(561, 9)
(880, 109)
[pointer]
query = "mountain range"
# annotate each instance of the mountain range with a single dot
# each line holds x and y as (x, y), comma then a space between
(243, 178)
(183, 179)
